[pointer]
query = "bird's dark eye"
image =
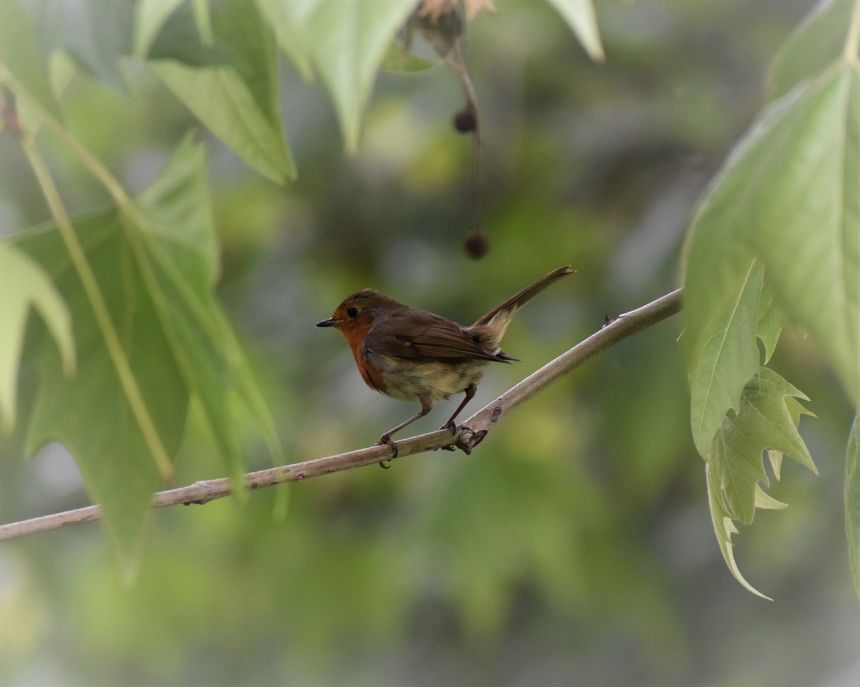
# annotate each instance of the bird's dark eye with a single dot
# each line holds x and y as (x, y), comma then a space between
(352, 312)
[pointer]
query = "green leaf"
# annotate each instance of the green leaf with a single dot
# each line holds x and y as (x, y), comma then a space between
(814, 45)
(721, 327)
(239, 103)
(787, 197)
(25, 284)
(765, 501)
(179, 204)
(283, 17)
(735, 469)
(95, 33)
(770, 320)
(800, 212)
(179, 265)
(20, 55)
(179, 262)
(348, 40)
(180, 39)
(150, 17)
(764, 421)
(579, 14)
(91, 414)
(795, 410)
(852, 502)
(724, 528)
(156, 267)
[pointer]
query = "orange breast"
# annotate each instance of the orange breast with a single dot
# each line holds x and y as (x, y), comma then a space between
(370, 373)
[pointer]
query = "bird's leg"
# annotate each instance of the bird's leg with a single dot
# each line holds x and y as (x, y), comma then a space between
(426, 407)
(470, 394)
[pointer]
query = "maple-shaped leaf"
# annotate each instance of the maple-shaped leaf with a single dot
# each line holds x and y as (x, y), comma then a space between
(239, 102)
(766, 420)
(344, 41)
(155, 264)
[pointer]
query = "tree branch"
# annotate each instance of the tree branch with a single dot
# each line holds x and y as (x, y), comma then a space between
(466, 436)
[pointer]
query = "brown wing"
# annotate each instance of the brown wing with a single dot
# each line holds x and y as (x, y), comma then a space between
(421, 335)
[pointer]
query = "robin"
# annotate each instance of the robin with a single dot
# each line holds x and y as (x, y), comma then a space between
(413, 354)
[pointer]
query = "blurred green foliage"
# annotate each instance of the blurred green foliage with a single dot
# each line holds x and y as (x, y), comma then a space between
(575, 545)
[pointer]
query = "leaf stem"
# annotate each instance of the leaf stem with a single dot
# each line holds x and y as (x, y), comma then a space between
(466, 436)
(100, 309)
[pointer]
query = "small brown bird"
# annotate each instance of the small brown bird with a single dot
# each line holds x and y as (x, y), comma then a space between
(413, 354)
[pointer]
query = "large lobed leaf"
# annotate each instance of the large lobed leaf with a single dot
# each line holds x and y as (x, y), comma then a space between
(802, 215)
(783, 201)
(239, 103)
(91, 414)
(777, 236)
(347, 40)
(155, 267)
(788, 200)
(766, 419)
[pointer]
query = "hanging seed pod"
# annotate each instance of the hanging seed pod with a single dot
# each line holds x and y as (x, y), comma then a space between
(477, 245)
(465, 120)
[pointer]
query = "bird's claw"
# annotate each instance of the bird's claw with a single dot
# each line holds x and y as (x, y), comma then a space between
(453, 427)
(386, 441)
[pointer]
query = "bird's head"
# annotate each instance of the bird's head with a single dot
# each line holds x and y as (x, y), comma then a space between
(357, 313)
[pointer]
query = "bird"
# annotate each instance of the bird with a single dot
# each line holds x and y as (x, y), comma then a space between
(416, 355)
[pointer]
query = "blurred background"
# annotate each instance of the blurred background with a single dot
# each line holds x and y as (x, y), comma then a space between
(573, 547)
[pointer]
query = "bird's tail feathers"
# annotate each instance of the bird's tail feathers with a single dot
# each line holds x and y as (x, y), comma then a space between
(494, 323)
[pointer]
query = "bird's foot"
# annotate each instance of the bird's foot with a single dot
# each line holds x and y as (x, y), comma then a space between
(453, 427)
(385, 440)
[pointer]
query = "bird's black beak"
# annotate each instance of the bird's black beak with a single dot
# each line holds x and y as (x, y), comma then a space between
(330, 322)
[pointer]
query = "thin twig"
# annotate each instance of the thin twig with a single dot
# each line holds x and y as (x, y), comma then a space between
(466, 436)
